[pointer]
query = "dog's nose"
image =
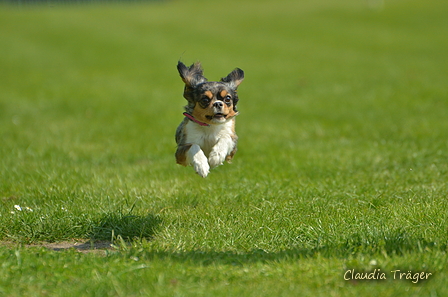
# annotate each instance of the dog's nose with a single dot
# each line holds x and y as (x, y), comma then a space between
(218, 104)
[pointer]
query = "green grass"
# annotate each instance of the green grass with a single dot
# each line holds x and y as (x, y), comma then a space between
(342, 161)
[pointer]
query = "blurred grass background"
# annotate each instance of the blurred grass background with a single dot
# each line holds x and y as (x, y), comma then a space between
(342, 154)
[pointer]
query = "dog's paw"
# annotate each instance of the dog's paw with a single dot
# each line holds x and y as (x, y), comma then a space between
(215, 159)
(202, 168)
(198, 160)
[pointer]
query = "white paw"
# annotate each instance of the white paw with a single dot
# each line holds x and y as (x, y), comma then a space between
(215, 159)
(198, 160)
(201, 167)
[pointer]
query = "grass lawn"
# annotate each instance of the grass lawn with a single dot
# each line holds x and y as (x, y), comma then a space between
(342, 166)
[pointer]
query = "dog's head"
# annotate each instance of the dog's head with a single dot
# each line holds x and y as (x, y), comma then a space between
(210, 102)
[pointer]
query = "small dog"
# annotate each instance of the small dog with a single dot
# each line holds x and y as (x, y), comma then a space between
(206, 137)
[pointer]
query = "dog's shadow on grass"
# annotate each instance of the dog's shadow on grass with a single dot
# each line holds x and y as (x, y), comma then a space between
(110, 231)
(126, 226)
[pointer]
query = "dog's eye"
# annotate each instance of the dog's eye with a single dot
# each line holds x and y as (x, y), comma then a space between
(205, 101)
(228, 99)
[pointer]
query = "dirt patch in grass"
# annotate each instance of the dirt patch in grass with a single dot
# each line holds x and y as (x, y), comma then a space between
(97, 247)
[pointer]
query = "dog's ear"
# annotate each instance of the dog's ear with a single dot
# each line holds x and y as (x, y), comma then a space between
(234, 78)
(191, 76)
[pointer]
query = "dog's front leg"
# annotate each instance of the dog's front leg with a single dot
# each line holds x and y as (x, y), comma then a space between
(220, 151)
(197, 159)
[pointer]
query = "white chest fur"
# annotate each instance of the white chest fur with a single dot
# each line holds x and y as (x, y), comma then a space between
(208, 136)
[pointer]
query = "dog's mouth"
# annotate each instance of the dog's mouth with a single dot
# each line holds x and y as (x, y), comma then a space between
(217, 116)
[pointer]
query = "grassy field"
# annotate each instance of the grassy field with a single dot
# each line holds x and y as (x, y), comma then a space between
(342, 164)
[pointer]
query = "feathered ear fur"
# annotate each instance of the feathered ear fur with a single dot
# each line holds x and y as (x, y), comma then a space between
(191, 76)
(234, 78)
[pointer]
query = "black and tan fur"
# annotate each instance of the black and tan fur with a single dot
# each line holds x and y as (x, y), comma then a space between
(206, 137)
